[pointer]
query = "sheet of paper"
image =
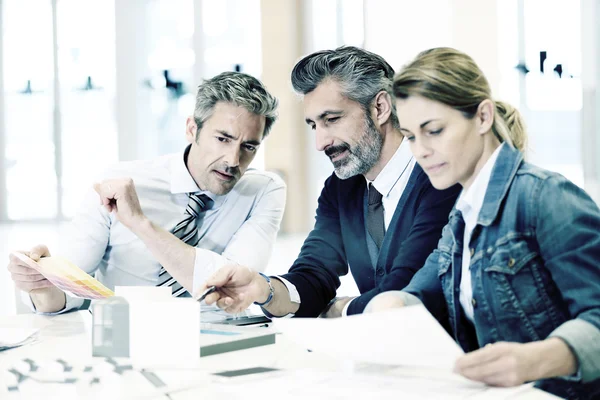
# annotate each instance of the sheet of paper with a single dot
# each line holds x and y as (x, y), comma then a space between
(15, 337)
(316, 384)
(406, 336)
(68, 277)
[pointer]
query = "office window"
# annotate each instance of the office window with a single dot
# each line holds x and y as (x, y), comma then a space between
(28, 99)
(86, 57)
(170, 60)
(80, 119)
(553, 93)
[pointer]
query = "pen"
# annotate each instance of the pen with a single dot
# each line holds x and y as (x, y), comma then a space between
(207, 292)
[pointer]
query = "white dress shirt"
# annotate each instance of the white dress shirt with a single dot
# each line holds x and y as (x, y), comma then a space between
(469, 203)
(390, 182)
(240, 227)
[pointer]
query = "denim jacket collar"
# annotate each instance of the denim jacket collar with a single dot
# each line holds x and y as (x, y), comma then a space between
(503, 173)
(507, 165)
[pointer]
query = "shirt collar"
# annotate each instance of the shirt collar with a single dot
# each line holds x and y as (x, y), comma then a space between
(470, 201)
(388, 177)
(182, 181)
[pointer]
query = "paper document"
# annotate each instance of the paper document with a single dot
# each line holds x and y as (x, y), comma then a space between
(16, 337)
(407, 336)
(68, 277)
(317, 384)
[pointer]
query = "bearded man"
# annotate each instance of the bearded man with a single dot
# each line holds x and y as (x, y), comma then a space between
(378, 215)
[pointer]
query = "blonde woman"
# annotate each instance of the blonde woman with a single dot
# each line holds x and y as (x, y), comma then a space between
(516, 274)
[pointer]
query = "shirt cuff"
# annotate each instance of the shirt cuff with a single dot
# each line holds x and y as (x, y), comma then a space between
(345, 310)
(71, 303)
(584, 340)
(294, 297)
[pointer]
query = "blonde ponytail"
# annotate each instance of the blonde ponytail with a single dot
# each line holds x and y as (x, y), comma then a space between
(509, 126)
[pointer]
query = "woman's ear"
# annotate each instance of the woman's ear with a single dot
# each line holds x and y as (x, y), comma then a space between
(485, 116)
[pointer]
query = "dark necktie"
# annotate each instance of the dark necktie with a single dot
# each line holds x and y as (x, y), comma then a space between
(375, 222)
(187, 231)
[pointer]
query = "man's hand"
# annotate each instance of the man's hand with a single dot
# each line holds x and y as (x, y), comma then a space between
(335, 309)
(237, 288)
(26, 278)
(119, 195)
(512, 364)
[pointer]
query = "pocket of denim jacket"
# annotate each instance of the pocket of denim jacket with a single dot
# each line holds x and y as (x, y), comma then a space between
(510, 258)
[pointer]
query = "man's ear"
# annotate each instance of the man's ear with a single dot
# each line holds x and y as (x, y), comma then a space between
(190, 129)
(383, 107)
(485, 116)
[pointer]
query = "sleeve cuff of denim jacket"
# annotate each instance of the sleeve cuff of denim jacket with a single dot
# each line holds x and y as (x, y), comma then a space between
(584, 340)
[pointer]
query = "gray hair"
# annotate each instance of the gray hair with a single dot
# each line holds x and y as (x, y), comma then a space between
(361, 73)
(239, 89)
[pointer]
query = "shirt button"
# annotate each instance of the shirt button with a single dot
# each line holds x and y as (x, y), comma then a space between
(380, 272)
(474, 303)
(511, 262)
(472, 252)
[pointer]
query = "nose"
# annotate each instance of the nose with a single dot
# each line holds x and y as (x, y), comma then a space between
(323, 139)
(421, 149)
(232, 157)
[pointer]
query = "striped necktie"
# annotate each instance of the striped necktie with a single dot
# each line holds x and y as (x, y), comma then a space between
(187, 231)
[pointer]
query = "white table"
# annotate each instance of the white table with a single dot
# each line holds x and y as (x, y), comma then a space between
(68, 337)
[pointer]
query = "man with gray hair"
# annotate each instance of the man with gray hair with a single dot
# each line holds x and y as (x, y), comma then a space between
(174, 220)
(378, 214)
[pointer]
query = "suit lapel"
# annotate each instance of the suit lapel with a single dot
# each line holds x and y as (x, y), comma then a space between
(396, 221)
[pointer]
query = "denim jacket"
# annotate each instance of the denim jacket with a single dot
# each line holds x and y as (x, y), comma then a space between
(535, 270)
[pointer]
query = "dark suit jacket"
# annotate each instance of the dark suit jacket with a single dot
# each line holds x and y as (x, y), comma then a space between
(339, 240)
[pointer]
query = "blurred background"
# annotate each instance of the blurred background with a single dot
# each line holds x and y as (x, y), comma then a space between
(87, 83)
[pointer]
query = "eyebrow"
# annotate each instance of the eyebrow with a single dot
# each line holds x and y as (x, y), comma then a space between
(230, 136)
(323, 115)
(423, 125)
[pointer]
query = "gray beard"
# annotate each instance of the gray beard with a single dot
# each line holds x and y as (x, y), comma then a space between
(364, 155)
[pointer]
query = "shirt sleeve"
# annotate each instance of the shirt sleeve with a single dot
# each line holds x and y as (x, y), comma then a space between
(322, 259)
(72, 303)
(567, 233)
(252, 244)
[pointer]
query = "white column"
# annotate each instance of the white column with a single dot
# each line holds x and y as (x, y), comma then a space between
(286, 147)
(475, 32)
(590, 71)
(136, 137)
